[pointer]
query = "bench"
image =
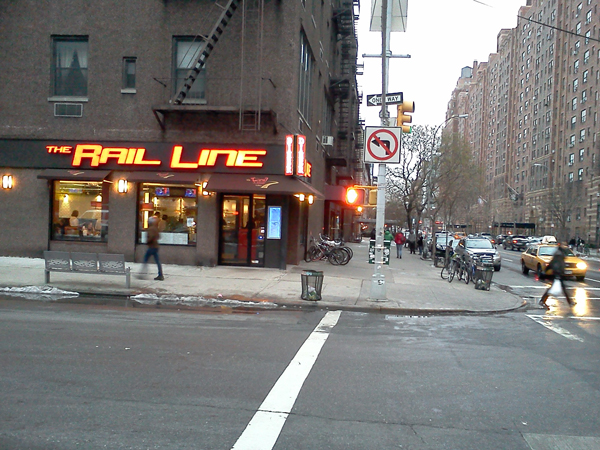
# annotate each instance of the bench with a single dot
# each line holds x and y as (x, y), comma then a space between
(92, 263)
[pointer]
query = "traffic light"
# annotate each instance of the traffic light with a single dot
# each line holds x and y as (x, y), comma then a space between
(403, 119)
(354, 196)
(372, 200)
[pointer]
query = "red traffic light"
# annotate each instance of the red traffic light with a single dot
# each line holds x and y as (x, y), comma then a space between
(354, 196)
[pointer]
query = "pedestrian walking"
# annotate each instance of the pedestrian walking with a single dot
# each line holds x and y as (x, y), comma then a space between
(412, 242)
(400, 240)
(420, 243)
(153, 245)
(557, 266)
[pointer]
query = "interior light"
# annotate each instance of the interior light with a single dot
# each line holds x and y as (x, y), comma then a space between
(98, 198)
(311, 199)
(301, 197)
(122, 186)
(7, 181)
(66, 198)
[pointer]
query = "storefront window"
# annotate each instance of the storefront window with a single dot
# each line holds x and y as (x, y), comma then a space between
(80, 211)
(178, 207)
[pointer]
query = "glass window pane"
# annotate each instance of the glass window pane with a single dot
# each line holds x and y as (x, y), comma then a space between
(70, 67)
(80, 211)
(129, 73)
(187, 52)
(177, 205)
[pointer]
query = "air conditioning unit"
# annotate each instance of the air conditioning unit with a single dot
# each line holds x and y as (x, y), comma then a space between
(327, 140)
(68, 110)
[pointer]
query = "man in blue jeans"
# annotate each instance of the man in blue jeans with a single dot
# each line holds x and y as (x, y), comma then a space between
(153, 245)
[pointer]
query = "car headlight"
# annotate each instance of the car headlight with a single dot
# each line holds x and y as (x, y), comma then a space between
(581, 265)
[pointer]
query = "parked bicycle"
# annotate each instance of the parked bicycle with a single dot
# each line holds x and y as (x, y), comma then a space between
(334, 252)
(459, 269)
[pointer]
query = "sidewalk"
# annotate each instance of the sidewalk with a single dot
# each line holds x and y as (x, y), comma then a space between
(412, 285)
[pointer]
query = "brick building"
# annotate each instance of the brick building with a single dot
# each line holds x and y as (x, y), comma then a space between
(533, 113)
(122, 109)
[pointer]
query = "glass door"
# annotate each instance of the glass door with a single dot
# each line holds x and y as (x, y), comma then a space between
(242, 234)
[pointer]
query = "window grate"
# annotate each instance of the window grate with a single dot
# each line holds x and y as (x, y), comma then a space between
(68, 110)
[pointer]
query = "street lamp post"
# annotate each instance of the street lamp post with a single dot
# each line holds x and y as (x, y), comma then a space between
(430, 175)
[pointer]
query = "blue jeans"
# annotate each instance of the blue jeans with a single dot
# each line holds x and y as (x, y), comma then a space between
(153, 252)
(399, 250)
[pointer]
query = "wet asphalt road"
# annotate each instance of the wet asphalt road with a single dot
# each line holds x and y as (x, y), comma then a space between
(106, 376)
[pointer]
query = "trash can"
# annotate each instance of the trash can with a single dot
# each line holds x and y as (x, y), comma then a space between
(312, 283)
(484, 270)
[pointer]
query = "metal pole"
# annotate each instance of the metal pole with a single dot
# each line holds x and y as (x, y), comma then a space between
(378, 289)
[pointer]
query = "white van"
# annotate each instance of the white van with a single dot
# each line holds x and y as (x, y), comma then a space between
(549, 240)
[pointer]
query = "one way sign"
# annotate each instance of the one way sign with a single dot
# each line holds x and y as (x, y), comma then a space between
(390, 99)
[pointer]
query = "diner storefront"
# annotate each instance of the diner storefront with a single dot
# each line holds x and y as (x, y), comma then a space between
(218, 204)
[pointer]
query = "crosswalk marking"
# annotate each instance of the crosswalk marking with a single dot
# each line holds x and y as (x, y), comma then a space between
(546, 322)
(263, 430)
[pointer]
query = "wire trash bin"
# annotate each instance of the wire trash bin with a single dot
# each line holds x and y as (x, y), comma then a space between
(484, 270)
(312, 283)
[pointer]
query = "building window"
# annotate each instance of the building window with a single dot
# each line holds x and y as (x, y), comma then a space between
(178, 208)
(186, 53)
(70, 66)
(583, 115)
(570, 177)
(80, 211)
(576, 66)
(581, 154)
(574, 103)
(128, 84)
(306, 74)
(588, 17)
(580, 175)
(583, 96)
(571, 159)
(573, 122)
(575, 84)
(586, 56)
(582, 135)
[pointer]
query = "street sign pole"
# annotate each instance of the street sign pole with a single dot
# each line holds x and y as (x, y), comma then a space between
(378, 288)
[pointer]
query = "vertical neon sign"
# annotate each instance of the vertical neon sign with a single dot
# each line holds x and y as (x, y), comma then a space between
(289, 154)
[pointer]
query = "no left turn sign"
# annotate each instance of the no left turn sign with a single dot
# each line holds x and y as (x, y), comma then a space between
(383, 145)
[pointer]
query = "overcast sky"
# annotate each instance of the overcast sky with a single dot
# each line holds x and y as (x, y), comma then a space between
(442, 37)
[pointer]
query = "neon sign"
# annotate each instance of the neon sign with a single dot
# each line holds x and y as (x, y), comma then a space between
(97, 155)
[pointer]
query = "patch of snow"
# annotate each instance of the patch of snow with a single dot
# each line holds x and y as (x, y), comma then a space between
(153, 299)
(35, 292)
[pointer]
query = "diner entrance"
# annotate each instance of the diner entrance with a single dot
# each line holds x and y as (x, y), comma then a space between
(242, 230)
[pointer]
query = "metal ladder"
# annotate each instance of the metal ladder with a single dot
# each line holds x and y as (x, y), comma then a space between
(211, 40)
(251, 65)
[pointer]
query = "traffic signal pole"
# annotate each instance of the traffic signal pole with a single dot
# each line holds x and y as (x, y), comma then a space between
(378, 288)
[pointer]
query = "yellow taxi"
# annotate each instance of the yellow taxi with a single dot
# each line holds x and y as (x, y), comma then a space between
(538, 257)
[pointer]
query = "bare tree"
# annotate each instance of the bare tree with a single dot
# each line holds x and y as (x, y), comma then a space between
(407, 180)
(458, 180)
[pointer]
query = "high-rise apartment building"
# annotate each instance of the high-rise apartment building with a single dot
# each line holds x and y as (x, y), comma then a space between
(533, 113)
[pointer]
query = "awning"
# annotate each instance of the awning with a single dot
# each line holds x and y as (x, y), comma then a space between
(268, 184)
(74, 174)
(164, 177)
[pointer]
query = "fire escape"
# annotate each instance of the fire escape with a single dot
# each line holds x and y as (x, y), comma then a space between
(248, 103)
(348, 148)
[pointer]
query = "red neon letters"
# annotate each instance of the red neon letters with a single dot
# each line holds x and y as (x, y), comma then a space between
(98, 155)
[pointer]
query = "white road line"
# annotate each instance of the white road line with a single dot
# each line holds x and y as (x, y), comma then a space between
(263, 430)
(559, 330)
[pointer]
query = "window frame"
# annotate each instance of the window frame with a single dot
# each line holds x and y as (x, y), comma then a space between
(81, 43)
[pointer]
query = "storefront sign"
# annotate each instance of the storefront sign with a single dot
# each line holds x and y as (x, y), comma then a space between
(98, 155)
(295, 156)
(143, 156)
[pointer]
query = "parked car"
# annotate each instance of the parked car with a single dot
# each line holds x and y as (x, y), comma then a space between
(538, 257)
(480, 246)
(516, 242)
(500, 238)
